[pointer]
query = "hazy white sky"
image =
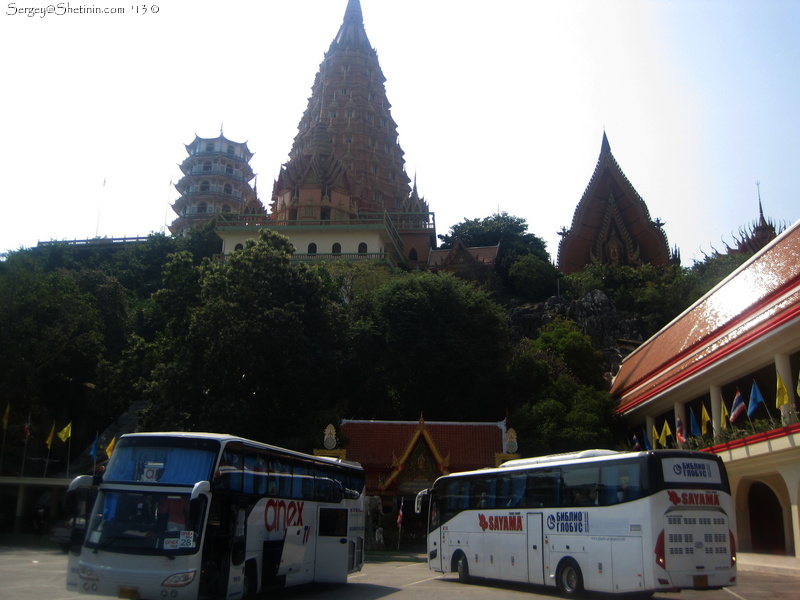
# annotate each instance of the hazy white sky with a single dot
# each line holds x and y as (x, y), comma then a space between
(500, 105)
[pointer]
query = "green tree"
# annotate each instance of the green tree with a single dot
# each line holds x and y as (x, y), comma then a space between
(252, 347)
(532, 279)
(428, 343)
(51, 342)
(555, 381)
(564, 339)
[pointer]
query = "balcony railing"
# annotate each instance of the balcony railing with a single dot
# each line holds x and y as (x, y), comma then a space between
(330, 257)
(217, 153)
(196, 190)
(363, 220)
(217, 170)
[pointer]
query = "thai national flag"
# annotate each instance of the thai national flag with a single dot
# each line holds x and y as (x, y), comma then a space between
(400, 516)
(679, 432)
(739, 407)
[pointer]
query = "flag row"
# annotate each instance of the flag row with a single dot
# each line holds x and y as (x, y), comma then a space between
(64, 434)
(738, 409)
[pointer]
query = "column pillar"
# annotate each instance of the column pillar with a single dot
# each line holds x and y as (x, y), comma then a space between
(716, 409)
(783, 368)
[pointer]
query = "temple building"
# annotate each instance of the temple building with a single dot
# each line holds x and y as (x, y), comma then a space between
(216, 179)
(738, 345)
(760, 233)
(344, 193)
(402, 458)
(612, 224)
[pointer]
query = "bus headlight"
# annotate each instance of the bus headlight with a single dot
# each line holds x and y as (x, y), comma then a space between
(86, 573)
(179, 579)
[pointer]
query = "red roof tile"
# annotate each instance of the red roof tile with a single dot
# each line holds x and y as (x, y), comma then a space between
(762, 291)
(374, 443)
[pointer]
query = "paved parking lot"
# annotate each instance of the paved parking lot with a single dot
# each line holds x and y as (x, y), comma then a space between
(38, 574)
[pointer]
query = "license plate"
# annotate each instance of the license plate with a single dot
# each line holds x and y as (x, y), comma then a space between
(700, 581)
(132, 593)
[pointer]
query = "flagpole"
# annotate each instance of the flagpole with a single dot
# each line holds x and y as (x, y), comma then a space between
(46, 461)
(3, 449)
(24, 456)
(69, 449)
(400, 523)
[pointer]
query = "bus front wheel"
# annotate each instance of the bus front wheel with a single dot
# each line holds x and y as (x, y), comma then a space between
(462, 567)
(569, 579)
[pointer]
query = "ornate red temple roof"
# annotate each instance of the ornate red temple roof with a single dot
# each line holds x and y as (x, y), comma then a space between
(611, 224)
(756, 300)
(386, 449)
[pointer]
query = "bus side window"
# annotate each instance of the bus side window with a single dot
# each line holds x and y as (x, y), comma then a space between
(303, 481)
(479, 495)
(621, 483)
(253, 480)
(582, 485)
(517, 495)
(230, 470)
(280, 478)
(543, 488)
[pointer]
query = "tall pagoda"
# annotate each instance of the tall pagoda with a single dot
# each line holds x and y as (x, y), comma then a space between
(612, 224)
(216, 179)
(344, 192)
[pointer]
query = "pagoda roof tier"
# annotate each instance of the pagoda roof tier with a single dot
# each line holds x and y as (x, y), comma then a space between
(199, 147)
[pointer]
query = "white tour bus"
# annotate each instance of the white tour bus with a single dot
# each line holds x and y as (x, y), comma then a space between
(199, 515)
(596, 520)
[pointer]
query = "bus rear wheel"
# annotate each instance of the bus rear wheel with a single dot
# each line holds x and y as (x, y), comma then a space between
(569, 579)
(462, 567)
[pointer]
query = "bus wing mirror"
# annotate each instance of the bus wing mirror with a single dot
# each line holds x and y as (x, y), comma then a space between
(82, 481)
(418, 501)
(201, 487)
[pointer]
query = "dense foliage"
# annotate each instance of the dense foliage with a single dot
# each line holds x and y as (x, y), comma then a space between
(262, 346)
(523, 266)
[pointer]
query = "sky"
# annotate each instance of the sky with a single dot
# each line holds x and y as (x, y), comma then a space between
(500, 106)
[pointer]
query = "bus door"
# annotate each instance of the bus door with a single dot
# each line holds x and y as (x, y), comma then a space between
(535, 549)
(332, 545)
(224, 549)
(238, 552)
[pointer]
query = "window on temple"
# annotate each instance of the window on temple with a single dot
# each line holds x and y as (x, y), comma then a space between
(337, 248)
(362, 248)
(205, 186)
(312, 248)
(228, 188)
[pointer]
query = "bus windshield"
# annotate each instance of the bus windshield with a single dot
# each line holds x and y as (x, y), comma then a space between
(143, 523)
(162, 460)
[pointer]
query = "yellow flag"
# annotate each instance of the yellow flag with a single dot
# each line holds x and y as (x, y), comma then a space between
(8, 408)
(110, 447)
(49, 441)
(725, 416)
(655, 436)
(704, 418)
(665, 431)
(65, 433)
(781, 394)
